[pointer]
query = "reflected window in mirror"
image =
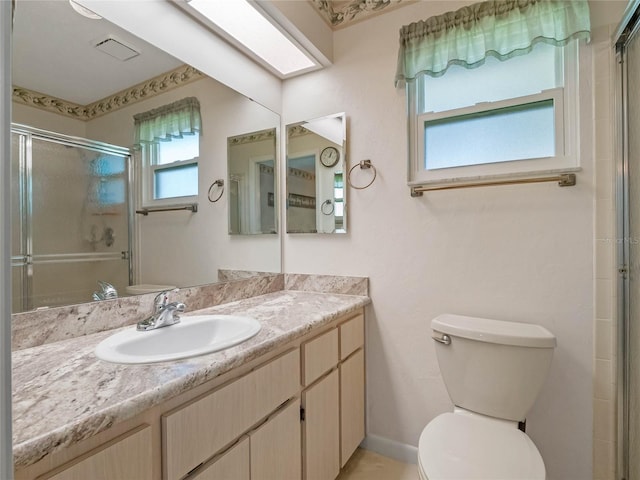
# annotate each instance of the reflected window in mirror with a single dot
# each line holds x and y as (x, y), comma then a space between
(251, 163)
(316, 200)
(169, 138)
(338, 195)
(174, 167)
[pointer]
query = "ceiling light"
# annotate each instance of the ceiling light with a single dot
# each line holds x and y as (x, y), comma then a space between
(241, 21)
(85, 12)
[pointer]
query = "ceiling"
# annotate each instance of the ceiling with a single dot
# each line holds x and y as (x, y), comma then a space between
(54, 48)
(53, 53)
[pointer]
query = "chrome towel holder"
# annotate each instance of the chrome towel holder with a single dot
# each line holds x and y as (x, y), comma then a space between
(327, 211)
(363, 164)
(217, 183)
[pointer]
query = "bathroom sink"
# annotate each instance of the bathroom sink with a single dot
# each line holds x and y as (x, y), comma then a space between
(194, 335)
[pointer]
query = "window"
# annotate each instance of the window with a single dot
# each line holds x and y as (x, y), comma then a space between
(174, 168)
(515, 119)
(492, 89)
(169, 139)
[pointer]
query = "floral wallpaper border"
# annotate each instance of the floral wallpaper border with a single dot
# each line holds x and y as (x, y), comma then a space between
(340, 13)
(252, 137)
(142, 91)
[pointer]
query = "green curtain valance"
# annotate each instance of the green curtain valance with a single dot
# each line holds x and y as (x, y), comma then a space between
(501, 28)
(169, 121)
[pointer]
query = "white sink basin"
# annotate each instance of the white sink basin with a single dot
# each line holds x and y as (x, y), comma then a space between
(194, 335)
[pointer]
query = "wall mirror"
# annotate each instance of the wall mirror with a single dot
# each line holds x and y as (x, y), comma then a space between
(59, 255)
(252, 183)
(316, 151)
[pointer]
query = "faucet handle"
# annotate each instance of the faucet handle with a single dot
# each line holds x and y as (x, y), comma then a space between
(162, 299)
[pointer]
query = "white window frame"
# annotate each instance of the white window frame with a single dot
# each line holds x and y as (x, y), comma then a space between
(566, 117)
(149, 167)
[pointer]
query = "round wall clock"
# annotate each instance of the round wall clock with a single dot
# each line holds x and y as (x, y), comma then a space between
(329, 156)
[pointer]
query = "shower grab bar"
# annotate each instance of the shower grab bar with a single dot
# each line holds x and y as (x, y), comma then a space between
(563, 179)
(146, 211)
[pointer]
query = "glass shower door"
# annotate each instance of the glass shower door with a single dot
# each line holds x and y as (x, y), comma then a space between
(19, 267)
(630, 340)
(72, 224)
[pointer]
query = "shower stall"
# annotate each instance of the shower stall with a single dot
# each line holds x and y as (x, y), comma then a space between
(70, 218)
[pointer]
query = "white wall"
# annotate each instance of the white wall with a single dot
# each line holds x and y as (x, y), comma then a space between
(522, 253)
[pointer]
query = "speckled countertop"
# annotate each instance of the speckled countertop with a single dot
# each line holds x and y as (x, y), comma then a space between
(63, 393)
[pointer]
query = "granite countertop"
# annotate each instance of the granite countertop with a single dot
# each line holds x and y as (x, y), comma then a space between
(62, 393)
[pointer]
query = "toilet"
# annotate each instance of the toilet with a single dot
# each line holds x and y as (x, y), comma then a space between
(493, 371)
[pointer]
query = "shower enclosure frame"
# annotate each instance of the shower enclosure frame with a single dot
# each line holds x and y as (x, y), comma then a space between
(628, 30)
(28, 259)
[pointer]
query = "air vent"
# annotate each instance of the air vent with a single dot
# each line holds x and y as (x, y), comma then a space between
(116, 48)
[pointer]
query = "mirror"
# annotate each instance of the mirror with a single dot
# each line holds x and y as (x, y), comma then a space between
(173, 248)
(252, 183)
(316, 163)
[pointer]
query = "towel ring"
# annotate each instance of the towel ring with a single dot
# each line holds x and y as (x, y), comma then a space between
(363, 164)
(217, 183)
(327, 211)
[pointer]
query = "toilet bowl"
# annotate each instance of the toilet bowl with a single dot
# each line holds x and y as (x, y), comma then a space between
(493, 371)
(464, 447)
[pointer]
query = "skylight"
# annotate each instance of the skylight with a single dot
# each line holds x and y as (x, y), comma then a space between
(245, 24)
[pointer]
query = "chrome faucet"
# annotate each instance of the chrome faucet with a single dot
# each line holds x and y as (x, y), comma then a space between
(164, 314)
(107, 291)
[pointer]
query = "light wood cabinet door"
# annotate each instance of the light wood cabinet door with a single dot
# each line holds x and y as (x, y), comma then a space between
(231, 465)
(321, 444)
(194, 433)
(351, 404)
(275, 446)
(126, 457)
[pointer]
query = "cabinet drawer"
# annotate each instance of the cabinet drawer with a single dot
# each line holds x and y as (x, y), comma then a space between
(319, 356)
(351, 336)
(194, 433)
(128, 456)
(231, 465)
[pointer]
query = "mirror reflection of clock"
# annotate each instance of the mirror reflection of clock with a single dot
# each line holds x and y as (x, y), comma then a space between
(329, 156)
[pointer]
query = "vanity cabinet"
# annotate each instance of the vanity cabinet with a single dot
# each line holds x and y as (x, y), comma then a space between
(352, 387)
(232, 464)
(193, 433)
(295, 412)
(351, 405)
(275, 446)
(333, 398)
(321, 427)
(271, 451)
(128, 456)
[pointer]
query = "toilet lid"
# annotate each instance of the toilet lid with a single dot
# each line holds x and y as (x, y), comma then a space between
(455, 446)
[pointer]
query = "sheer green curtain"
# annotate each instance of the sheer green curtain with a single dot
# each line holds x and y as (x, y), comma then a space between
(167, 122)
(501, 28)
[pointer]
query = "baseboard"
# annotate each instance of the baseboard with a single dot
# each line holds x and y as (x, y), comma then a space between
(390, 448)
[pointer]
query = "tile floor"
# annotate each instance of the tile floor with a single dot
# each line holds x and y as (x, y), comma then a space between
(367, 465)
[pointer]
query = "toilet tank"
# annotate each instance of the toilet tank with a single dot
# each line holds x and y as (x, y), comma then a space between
(492, 367)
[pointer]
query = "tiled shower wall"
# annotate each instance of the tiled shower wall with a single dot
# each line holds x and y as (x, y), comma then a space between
(604, 393)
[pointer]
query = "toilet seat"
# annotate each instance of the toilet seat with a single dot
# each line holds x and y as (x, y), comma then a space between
(464, 447)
